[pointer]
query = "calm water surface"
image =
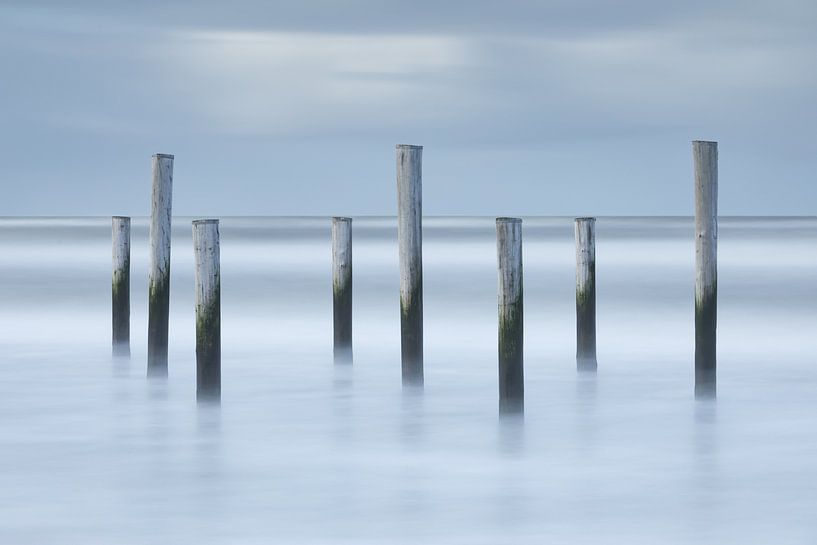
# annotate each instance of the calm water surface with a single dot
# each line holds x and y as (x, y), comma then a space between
(301, 452)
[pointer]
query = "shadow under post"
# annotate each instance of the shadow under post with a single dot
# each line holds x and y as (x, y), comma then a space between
(342, 403)
(586, 412)
(511, 434)
(158, 389)
(342, 379)
(705, 440)
(705, 467)
(208, 436)
(586, 390)
(121, 366)
(209, 499)
(412, 414)
(511, 499)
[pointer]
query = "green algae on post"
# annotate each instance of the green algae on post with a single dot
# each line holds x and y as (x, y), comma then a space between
(120, 287)
(159, 272)
(208, 310)
(705, 157)
(342, 289)
(510, 298)
(585, 230)
(410, 238)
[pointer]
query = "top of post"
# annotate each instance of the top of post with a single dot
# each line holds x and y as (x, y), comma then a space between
(205, 221)
(121, 218)
(708, 142)
(342, 219)
(408, 146)
(163, 156)
(586, 218)
(509, 220)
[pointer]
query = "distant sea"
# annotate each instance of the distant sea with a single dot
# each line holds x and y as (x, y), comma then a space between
(303, 452)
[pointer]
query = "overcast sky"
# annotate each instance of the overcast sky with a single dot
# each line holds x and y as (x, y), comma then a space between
(524, 107)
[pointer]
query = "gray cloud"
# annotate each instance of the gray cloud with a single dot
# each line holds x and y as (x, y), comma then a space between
(524, 107)
(570, 17)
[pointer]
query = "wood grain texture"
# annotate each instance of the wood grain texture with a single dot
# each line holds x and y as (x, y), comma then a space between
(585, 231)
(510, 304)
(410, 241)
(705, 159)
(208, 309)
(159, 271)
(120, 286)
(342, 288)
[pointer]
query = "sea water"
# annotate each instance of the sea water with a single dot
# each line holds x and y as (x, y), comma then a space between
(301, 451)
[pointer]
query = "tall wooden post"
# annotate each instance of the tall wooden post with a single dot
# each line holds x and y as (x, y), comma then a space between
(410, 236)
(705, 155)
(509, 258)
(586, 294)
(342, 288)
(159, 273)
(120, 286)
(208, 310)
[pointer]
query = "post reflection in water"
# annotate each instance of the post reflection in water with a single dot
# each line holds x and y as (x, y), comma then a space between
(208, 439)
(511, 434)
(706, 474)
(210, 502)
(412, 418)
(342, 404)
(586, 413)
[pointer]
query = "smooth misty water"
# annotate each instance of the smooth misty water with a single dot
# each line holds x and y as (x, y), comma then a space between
(301, 452)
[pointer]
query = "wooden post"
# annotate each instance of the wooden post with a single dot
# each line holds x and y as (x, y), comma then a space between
(120, 287)
(342, 288)
(586, 294)
(159, 274)
(208, 310)
(705, 155)
(410, 236)
(509, 258)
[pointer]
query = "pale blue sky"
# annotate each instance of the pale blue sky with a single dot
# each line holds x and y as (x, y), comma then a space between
(527, 107)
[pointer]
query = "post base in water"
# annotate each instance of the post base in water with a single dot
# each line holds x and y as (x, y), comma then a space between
(587, 365)
(706, 390)
(343, 355)
(411, 341)
(121, 351)
(413, 380)
(210, 397)
(511, 407)
(157, 371)
(158, 328)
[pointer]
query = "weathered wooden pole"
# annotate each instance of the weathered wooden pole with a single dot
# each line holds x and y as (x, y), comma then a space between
(120, 286)
(410, 237)
(342, 288)
(208, 310)
(705, 155)
(586, 294)
(509, 258)
(159, 273)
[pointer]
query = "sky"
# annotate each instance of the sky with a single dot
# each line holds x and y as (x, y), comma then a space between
(562, 107)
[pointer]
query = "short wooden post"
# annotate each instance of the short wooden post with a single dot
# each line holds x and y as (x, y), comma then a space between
(208, 310)
(342, 288)
(586, 294)
(120, 287)
(509, 258)
(705, 155)
(159, 273)
(410, 237)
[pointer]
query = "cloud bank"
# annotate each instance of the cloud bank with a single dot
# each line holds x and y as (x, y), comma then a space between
(294, 108)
